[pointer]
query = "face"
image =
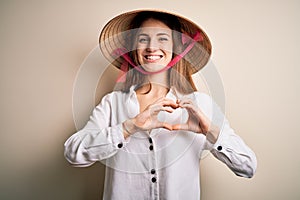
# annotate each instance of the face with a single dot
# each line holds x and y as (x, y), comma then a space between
(154, 45)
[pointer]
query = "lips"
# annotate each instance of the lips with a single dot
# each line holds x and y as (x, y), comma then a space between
(153, 57)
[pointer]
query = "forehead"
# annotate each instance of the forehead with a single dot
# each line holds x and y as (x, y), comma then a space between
(153, 26)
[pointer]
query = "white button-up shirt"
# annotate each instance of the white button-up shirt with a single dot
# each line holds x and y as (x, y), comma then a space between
(157, 164)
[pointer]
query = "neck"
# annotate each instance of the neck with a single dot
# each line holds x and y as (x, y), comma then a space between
(161, 79)
(156, 84)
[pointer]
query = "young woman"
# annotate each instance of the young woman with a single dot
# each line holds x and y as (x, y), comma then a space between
(152, 132)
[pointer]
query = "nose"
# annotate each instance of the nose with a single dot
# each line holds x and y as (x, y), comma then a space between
(152, 45)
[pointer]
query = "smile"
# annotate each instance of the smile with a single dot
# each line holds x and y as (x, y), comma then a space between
(153, 57)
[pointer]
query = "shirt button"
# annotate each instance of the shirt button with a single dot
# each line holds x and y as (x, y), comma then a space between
(120, 145)
(153, 180)
(150, 140)
(152, 171)
(219, 148)
(151, 147)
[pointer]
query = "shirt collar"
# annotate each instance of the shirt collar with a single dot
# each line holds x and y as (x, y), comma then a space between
(172, 94)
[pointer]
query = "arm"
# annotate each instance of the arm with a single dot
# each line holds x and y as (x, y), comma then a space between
(228, 147)
(98, 140)
(232, 150)
(206, 118)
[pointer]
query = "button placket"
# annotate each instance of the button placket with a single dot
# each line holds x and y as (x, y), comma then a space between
(153, 179)
(151, 144)
(151, 147)
(120, 145)
(219, 148)
(152, 171)
(153, 175)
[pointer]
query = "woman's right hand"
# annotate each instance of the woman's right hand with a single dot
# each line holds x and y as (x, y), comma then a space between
(147, 119)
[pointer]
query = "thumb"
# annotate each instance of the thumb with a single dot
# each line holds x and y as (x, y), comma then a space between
(180, 127)
(165, 125)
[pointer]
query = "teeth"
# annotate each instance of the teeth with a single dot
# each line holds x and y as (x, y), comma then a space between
(153, 57)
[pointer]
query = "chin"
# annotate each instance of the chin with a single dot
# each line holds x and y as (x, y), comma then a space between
(153, 67)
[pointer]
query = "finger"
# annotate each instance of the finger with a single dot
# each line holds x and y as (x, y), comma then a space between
(191, 108)
(196, 112)
(190, 105)
(187, 106)
(167, 109)
(158, 108)
(165, 125)
(169, 102)
(180, 127)
(165, 102)
(185, 101)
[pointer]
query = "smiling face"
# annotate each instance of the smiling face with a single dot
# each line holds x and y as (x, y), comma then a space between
(154, 45)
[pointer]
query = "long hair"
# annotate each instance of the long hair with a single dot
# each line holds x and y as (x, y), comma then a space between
(179, 76)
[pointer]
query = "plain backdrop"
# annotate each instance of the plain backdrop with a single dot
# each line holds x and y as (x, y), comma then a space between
(44, 43)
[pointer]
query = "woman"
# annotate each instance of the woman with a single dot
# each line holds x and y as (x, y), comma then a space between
(151, 134)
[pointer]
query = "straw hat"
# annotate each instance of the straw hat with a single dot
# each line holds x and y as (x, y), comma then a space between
(114, 36)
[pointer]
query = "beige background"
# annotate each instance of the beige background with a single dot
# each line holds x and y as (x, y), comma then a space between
(43, 43)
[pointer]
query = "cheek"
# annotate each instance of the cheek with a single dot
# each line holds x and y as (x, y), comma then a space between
(169, 53)
(139, 55)
(170, 56)
(167, 47)
(169, 50)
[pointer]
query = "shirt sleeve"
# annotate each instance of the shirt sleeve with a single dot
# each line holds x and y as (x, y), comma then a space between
(98, 140)
(229, 147)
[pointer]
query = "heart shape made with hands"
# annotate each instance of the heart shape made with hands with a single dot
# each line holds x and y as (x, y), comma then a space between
(183, 114)
(176, 116)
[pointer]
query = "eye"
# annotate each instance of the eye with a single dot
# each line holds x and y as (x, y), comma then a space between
(163, 39)
(143, 40)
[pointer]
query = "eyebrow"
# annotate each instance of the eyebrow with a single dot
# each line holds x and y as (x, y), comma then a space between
(158, 34)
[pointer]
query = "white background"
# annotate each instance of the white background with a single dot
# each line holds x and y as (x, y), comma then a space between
(43, 43)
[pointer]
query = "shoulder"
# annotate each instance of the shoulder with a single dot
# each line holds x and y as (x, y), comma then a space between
(113, 96)
(201, 98)
(118, 96)
(204, 101)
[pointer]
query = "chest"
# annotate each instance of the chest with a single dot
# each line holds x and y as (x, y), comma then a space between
(145, 100)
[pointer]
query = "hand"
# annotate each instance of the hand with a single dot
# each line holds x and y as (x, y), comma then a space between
(197, 121)
(147, 119)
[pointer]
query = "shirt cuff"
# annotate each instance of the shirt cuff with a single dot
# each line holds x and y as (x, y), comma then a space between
(219, 145)
(118, 137)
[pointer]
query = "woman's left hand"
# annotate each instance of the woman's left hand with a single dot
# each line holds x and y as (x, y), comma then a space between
(197, 121)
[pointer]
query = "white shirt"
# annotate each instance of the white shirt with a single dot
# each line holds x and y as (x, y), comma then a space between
(158, 164)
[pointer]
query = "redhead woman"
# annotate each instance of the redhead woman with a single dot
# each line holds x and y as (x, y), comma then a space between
(152, 132)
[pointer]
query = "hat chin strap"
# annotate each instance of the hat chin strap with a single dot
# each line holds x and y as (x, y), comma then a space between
(127, 60)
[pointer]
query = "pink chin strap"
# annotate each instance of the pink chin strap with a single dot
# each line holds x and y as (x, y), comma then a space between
(127, 60)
